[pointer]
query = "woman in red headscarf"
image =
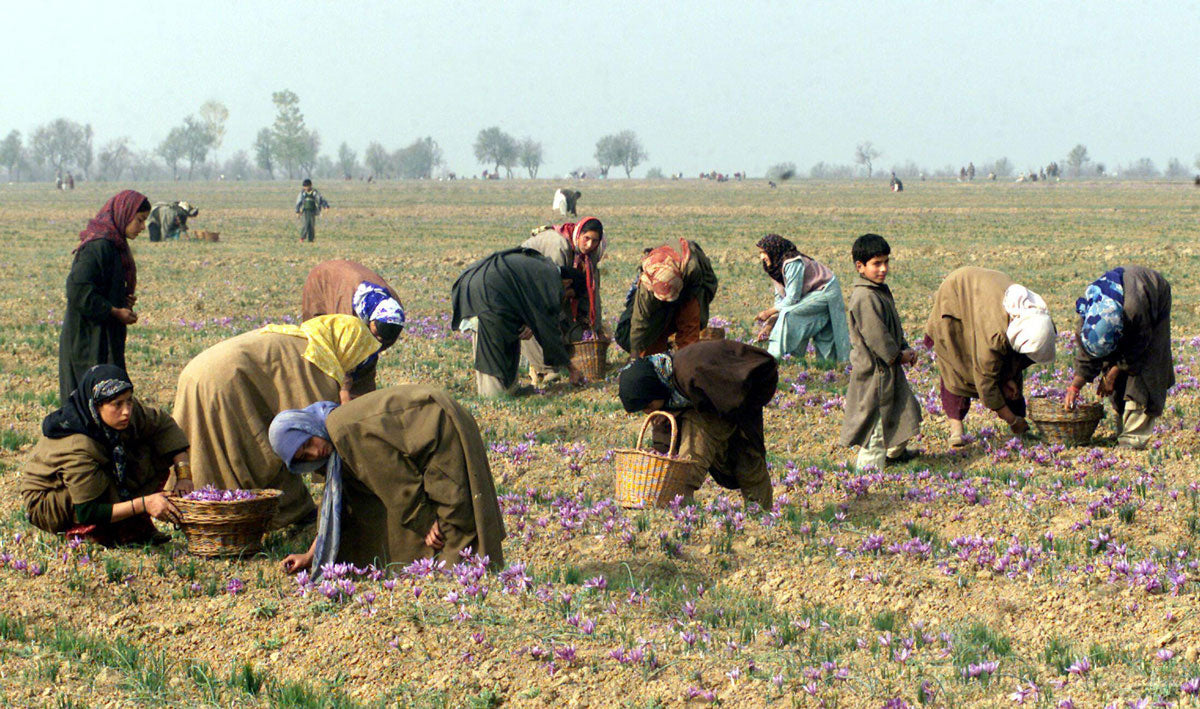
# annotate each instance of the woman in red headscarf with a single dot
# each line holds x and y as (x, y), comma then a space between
(670, 296)
(100, 290)
(579, 245)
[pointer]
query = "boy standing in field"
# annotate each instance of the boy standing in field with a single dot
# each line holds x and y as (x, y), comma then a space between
(881, 412)
(308, 205)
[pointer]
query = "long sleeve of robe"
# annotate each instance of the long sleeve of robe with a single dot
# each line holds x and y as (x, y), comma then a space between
(90, 334)
(505, 291)
(411, 455)
(64, 472)
(969, 329)
(878, 387)
(1144, 351)
(649, 316)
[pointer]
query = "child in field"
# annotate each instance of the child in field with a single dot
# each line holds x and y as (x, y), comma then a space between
(308, 205)
(881, 412)
(808, 304)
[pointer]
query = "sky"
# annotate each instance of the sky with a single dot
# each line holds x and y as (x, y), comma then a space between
(726, 86)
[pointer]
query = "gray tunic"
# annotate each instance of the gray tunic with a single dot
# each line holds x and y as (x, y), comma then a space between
(878, 386)
(1143, 353)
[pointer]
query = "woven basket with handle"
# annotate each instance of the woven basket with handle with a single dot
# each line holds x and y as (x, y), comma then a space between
(1068, 427)
(227, 528)
(643, 475)
(591, 357)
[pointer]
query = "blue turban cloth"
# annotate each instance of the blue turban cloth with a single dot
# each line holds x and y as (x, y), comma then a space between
(373, 302)
(1102, 308)
(289, 431)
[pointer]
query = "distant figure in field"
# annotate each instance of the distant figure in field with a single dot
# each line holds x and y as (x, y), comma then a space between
(168, 220)
(565, 200)
(772, 185)
(962, 174)
(70, 181)
(970, 172)
(896, 184)
(992, 176)
(1198, 180)
(308, 205)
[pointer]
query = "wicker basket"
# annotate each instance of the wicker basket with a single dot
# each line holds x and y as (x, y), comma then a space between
(208, 235)
(644, 475)
(1072, 427)
(590, 356)
(231, 528)
(712, 333)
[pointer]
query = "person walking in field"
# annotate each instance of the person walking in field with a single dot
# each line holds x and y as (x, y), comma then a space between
(670, 296)
(102, 463)
(406, 477)
(986, 330)
(228, 394)
(101, 291)
(309, 204)
(808, 304)
(578, 245)
(717, 390)
(1124, 339)
(345, 287)
(882, 413)
(507, 297)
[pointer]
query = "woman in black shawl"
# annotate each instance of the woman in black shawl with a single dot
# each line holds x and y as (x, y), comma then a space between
(717, 390)
(100, 290)
(102, 463)
(507, 297)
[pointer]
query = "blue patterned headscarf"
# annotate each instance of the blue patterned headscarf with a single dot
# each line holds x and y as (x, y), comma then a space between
(1102, 308)
(289, 431)
(373, 302)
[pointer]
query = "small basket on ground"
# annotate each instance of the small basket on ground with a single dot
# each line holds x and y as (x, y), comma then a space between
(643, 475)
(227, 528)
(591, 357)
(207, 235)
(712, 333)
(1073, 427)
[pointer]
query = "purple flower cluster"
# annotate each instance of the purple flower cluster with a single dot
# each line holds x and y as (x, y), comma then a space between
(209, 493)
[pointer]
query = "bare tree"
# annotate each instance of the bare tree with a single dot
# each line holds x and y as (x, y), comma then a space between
(11, 154)
(1077, 158)
(632, 153)
(494, 146)
(865, 154)
(608, 153)
(214, 114)
(114, 159)
(59, 143)
(347, 161)
(529, 153)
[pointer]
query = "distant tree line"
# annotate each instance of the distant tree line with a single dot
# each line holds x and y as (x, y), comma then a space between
(288, 148)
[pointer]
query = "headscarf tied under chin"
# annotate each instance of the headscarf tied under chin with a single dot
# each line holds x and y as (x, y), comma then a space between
(289, 431)
(650, 379)
(778, 250)
(81, 414)
(1030, 329)
(373, 302)
(662, 271)
(110, 223)
(1102, 308)
(586, 263)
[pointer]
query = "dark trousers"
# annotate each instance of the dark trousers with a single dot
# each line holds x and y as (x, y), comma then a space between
(308, 226)
(956, 407)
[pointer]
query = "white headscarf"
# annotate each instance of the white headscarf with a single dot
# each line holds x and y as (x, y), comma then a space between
(1030, 329)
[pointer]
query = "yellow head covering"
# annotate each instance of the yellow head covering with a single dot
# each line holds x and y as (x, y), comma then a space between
(336, 343)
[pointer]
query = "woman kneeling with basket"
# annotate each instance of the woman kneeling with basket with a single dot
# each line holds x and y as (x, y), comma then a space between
(717, 390)
(407, 477)
(104, 458)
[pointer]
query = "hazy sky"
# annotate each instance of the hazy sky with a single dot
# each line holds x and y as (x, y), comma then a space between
(726, 86)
